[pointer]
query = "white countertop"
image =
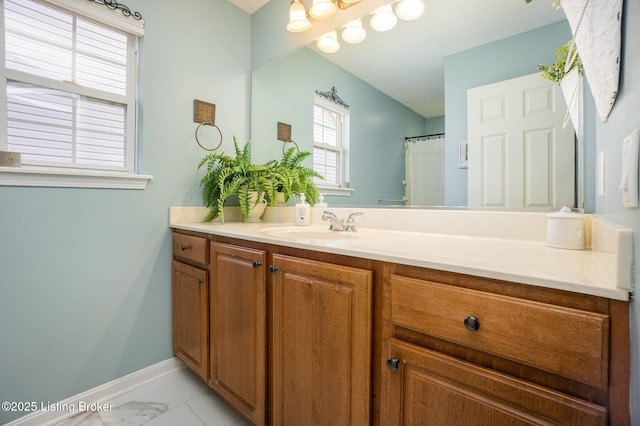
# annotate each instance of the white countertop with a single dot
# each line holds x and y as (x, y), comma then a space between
(527, 261)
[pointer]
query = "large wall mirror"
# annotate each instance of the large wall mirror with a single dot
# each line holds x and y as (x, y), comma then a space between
(394, 94)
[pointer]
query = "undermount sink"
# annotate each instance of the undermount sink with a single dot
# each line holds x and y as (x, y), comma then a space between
(308, 233)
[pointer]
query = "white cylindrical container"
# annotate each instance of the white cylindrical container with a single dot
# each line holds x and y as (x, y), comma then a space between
(566, 230)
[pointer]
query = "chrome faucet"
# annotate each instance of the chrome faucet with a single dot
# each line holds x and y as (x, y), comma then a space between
(337, 224)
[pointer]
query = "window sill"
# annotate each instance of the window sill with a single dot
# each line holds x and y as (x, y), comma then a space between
(70, 178)
(332, 190)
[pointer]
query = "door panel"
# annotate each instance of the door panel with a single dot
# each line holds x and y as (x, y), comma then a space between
(429, 388)
(238, 328)
(321, 346)
(519, 154)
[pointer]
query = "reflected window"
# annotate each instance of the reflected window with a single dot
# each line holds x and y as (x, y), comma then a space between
(330, 143)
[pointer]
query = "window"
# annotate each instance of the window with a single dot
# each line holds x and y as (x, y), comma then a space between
(331, 146)
(69, 90)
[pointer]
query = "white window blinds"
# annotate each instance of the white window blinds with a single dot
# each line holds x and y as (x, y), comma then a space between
(70, 88)
(328, 145)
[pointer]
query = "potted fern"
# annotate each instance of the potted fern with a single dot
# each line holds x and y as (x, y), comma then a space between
(292, 178)
(228, 176)
(567, 72)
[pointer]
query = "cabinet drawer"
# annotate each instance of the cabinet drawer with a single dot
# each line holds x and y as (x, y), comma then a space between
(559, 340)
(190, 247)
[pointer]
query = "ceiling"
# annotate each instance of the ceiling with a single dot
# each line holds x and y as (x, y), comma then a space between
(407, 62)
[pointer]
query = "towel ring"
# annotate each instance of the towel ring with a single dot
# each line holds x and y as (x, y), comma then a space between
(285, 144)
(219, 131)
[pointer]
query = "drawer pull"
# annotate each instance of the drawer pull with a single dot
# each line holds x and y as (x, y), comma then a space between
(273, 269)
(256, 264)
(472, 323)
(393, 364)
(184, 248)
(199, 281)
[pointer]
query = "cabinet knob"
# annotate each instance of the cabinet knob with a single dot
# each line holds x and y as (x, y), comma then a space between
(273, 269)
(256, 264)
(472, 323)
(393, 364)
(184, 248)
(199, 281)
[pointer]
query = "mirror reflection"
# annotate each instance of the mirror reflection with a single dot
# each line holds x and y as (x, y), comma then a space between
(380, 118)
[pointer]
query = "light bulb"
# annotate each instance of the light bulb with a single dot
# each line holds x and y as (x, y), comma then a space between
(353, 32)
(410, 9)
(298, 21)
(323, 9)
(383, 19)
(328, 43)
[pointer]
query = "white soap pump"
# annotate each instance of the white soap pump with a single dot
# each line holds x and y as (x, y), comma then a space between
(303, 211)
(321, 203)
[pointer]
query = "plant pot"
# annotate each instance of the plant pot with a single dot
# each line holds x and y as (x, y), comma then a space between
(280, 202)
(572, 87)
(255, 213)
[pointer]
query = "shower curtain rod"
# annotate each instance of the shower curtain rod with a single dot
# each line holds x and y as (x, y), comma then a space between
(426, 137)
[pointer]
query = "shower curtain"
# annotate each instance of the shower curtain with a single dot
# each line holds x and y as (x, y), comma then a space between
(424, 172)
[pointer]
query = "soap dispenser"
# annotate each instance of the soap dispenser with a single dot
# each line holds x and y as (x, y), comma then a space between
(321, 203)
(303, 211)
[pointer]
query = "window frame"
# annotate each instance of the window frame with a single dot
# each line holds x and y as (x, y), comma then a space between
(79, 175)
(342, 189)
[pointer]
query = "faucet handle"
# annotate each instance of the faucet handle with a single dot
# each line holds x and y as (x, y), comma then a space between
(350, 223)
(350, 217)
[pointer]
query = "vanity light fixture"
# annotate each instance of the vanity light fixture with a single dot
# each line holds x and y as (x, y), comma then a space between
(298, 21)
(383, 19)
(353, 32)
(323, 9)
(320, 9)
(328, 43)
(409, 10)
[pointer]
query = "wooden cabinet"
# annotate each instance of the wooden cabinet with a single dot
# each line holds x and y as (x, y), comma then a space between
(238, 328)
(298, 337)
(474, 351)
(191, 303)
(321, 346)
(319, 322)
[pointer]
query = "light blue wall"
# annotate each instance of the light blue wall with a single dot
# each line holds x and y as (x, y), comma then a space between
(624, 119)
(435, 125)
(501, 60)
(85, 274)
(283, 90)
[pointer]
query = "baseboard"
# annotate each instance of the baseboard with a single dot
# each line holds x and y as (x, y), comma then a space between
(100, 394)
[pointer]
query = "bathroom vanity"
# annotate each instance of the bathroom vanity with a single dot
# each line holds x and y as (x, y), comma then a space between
(293, 325)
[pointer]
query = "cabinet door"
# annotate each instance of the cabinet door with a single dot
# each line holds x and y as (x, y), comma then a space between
(321, 347)
(238, 328)
(423, 387)
(191, 317)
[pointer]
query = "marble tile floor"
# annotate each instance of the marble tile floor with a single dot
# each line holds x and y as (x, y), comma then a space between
(177, 398)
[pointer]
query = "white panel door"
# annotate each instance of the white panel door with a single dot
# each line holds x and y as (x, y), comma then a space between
(519, 154)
